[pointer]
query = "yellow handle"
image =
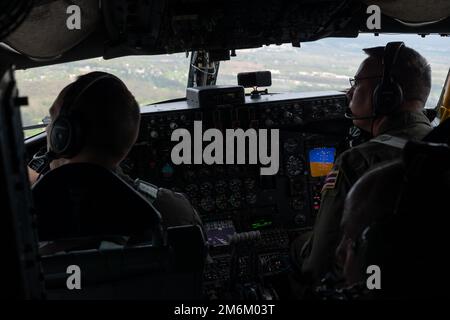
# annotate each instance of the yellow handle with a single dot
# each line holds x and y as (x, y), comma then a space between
(445, 108)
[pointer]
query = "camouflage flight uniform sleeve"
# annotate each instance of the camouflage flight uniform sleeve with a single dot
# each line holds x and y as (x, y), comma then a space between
(319, 251)
(175, 208)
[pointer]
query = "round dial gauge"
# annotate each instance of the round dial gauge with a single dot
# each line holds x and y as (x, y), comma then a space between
(250, 184)
(206, 188)
(290, 145)
(250, 198)
(235, 201)
(297, 204)
(207, 204)
(221, 186)
(221, 202)
(235, 185)
(294, 166)
(191, 190)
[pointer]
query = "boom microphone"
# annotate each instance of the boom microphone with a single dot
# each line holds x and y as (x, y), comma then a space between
(41, 161)
(349, 115)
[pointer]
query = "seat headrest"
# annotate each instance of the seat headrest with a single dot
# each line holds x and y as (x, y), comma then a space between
(426, 158)
(440, 134)
(82, 199)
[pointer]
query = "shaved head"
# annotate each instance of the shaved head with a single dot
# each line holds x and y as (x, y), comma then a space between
(107, 113)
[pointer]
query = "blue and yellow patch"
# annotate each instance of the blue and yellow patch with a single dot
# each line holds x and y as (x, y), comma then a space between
(321, 161)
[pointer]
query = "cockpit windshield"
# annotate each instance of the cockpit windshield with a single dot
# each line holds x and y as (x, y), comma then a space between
(326, 64)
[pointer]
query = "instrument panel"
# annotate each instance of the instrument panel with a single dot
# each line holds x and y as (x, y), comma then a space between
(249, 218)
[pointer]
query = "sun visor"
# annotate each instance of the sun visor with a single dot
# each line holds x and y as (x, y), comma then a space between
(414, 11)
(45, 33)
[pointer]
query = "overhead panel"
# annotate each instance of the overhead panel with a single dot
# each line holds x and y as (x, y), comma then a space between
(45, 33)
(413, 10)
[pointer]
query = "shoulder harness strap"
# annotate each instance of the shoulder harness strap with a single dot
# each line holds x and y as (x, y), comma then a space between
(149, 190)
(392, 141)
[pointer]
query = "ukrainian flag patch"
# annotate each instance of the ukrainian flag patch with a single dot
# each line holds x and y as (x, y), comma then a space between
(321, 161)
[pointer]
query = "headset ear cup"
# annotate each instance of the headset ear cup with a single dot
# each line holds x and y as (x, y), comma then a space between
(60, 135)
(387, 99)
(65, 137)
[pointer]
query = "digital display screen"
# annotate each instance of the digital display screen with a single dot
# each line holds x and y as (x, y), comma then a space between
(260, 224)
(219, 233)
(321, 161)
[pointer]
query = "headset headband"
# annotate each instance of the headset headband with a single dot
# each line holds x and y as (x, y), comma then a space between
(391, 52)
(66, 110)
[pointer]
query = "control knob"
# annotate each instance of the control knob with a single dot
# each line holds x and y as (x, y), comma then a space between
(154, 134)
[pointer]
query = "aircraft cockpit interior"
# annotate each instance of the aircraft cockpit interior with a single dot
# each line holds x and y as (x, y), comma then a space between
(247, 120)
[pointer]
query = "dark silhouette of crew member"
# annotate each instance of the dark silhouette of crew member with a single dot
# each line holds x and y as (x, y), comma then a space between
(386, 99)
(109, 116)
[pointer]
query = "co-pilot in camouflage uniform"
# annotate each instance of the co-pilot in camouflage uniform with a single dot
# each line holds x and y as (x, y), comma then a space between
(315, 256)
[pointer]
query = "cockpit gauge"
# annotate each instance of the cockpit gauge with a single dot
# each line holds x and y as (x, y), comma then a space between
(297, 204)
(207, 204)
(294, 166)
(300, 220)
(290, 145)
(235, 185)
(250, 198)
(235, 200)
(221, 202)
(250, 183)
(206, 188)
(221, 186)
(191, 190)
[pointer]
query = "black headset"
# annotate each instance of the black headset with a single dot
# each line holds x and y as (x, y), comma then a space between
(66, 135)
(388, 94)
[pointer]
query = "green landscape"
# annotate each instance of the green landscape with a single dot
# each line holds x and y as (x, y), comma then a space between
(322, 65)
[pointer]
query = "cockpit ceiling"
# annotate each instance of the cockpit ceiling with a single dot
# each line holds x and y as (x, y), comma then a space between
(114, 28)
(414, 11)
(44, 33)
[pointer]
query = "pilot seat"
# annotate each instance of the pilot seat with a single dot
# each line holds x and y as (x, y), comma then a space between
(90, 218)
